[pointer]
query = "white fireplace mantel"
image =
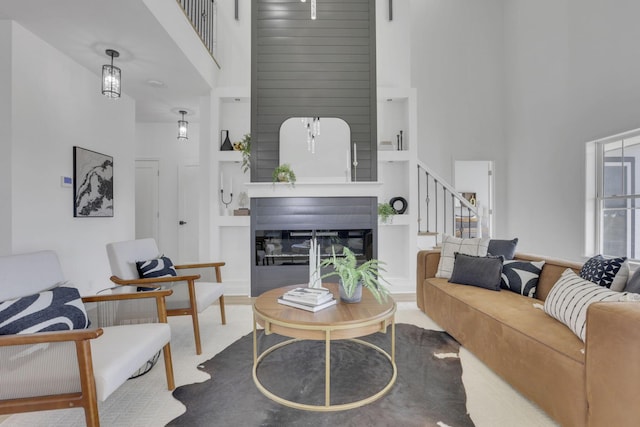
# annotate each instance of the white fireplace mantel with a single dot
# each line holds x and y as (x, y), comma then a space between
(314, 189)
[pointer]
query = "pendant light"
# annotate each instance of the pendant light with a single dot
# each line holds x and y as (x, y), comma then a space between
(183, 127)
(111, 77)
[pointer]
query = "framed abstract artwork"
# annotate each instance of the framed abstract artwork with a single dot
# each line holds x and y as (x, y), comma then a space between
(92, 184)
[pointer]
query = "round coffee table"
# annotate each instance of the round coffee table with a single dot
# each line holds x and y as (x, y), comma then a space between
(338, 322)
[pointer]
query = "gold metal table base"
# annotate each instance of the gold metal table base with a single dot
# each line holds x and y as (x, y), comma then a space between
(327, 407)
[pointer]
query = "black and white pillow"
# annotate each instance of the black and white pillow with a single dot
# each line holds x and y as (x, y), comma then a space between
(158, 267)
(58, 309)
(570, 297)
(521, 277)
(601, 270)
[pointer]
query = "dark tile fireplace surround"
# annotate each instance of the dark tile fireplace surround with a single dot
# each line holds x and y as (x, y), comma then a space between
(281, 228)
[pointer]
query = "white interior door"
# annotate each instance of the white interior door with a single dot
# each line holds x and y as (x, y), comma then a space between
(476, 176)
(188, 213)
(147, 199)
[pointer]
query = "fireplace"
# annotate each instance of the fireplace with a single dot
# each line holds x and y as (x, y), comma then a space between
(282, 228)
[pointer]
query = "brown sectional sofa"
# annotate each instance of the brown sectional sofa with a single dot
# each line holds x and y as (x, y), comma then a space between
(597, 384)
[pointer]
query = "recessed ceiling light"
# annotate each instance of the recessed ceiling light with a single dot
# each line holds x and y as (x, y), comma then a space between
(155, 83)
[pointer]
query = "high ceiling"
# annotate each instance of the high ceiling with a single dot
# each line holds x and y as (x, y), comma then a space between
(155, 71)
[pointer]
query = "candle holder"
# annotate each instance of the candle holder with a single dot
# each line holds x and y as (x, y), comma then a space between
(226, 204)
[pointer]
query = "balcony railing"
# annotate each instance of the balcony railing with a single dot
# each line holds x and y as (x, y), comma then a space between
(203, 16)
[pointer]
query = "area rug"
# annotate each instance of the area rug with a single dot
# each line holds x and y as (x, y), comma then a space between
(428, 389)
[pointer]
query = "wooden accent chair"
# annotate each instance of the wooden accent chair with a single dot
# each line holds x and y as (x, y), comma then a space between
(76, 368)
(189, 297)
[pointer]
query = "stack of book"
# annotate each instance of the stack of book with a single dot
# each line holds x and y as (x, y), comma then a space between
(310, 299)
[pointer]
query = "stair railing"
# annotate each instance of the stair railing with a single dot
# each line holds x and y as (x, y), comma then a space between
(443, 210)
(203, 16)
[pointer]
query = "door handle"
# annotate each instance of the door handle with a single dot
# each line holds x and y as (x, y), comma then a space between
(182, 222)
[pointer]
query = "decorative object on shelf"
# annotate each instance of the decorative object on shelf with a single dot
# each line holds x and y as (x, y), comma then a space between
(222, 199)
(470, 196)
(355, 162)
(226, 142)
(395, 201)
(244, 146)
(183, 127)
(312, 124)
(284, 173)
(385, 146)
(111, 77)
(401, 145)
(386, 213)
(92, 184)
(243, 199)
(353, 276)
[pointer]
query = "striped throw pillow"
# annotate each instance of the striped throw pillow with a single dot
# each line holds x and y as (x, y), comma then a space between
(58, 309)
(570, 297)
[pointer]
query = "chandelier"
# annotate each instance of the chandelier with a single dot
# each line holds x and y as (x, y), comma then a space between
(313, 8)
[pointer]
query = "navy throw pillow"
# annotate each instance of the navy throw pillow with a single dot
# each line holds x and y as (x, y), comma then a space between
(601, 270)
(158, 267)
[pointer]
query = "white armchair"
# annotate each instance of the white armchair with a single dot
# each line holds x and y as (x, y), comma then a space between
(75, 368)
(189, 297)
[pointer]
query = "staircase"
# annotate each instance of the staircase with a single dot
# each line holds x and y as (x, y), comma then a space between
(443, 211)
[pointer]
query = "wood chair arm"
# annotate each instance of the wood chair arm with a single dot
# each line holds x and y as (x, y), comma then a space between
(153, 280)
(200, 265)
(159, 293)
(215, 265)
(48, 337)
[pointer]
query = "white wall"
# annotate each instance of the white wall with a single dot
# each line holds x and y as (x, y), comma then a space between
(5, 138)
(393, 44)
(159, 141)
(57, 104)
(457, 67)
(234, 44)
(572, 70)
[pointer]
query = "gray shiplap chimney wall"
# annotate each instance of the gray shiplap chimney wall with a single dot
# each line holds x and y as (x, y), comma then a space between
(305, 68)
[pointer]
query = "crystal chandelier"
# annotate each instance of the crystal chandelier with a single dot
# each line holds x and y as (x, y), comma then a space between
(183, 127)
(313, 8)
(111, 77)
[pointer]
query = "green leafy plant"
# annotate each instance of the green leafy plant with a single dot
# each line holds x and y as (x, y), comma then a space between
(244, 146)
(284, 173)
(367, 273)
(385, 211)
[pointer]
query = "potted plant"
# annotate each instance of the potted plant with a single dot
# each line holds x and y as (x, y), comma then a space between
(386, 212)
(244, 146)
(284, 173)
(353, 276)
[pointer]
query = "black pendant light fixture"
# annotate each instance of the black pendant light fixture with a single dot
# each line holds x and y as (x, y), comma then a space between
(183, 126)
(111, 77)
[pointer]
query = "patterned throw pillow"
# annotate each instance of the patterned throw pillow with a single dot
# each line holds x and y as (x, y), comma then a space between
(58, 309)
(521, 277)
(451, 245)
(601, 270)
(158, 267)
(570, 297)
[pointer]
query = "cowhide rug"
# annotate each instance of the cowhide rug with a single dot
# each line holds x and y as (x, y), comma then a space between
(428, 389)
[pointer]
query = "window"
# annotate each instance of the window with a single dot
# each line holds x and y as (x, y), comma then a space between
(615, 188)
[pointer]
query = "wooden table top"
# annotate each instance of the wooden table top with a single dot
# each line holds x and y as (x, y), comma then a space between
(341, 320)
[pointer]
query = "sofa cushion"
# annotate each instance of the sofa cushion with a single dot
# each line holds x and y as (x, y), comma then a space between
(570, 298)
(601, 270)
(634, 283)
(451, 245)
(483, 272)
(58, 309)
(506, 248)
(521, 276)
